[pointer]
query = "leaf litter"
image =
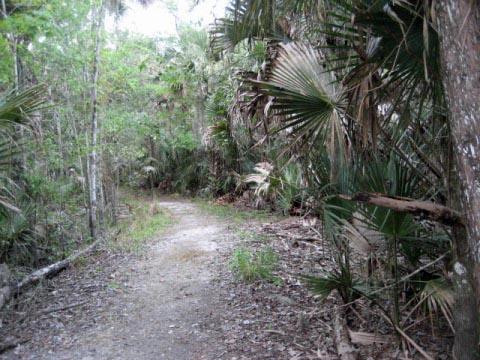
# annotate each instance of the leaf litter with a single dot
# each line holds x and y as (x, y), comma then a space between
(69, 315)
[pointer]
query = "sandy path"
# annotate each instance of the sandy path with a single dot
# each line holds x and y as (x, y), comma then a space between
(170, 307)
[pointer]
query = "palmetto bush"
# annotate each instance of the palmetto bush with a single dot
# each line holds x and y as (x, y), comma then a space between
(357, 93)
(17, 209)
(284, 189)
(19, 243)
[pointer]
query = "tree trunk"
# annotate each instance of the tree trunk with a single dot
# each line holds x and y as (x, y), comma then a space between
(458, 23)
(199, 110)
(93, 220)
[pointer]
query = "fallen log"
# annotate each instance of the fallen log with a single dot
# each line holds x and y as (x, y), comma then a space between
(422, 209)
(9, 291)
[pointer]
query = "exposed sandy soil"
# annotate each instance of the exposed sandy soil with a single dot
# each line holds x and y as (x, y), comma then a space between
(161, 306)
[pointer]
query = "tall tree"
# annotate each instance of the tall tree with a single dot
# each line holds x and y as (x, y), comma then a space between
(459, 29)
(98, 27)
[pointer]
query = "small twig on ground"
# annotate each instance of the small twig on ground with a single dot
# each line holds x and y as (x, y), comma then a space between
(57, 309)
(5, 346)
(408, 339)
(278, 332)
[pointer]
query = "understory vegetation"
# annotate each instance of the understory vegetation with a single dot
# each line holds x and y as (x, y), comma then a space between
(333, 111)
(254, 265)
(142, 219)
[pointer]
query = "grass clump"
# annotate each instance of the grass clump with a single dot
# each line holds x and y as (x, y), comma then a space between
(238, 216)
(254, 265)
(148, 220)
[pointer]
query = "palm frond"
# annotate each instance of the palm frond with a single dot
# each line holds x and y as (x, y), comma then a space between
(307, 98)
(437, 294)
(247, 20)
(348, 287)
(16, 108)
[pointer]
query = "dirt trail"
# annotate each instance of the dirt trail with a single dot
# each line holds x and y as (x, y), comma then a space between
(181, 302)
(169, 309)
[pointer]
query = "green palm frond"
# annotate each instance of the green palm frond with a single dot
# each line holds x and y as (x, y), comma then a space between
(392, 45)
(310, 7)
(247, 20)
(307, 98)
(15, 108)
(348, 287)
(9, 149)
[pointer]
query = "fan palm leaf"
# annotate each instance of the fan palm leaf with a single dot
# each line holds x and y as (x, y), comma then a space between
(16, 108)
(248, 20)
(307, 99)
(384, 54)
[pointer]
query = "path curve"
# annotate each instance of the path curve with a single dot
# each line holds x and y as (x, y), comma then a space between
(170, 310)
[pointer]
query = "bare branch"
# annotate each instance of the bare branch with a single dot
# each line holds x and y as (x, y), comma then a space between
(423, 209)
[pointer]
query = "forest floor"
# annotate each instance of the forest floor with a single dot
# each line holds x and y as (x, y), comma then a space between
(180, 300)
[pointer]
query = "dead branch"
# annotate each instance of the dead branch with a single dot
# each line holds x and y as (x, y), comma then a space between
(414, 344)
(61, 308)
(408, 339)
(8, 292)
(422, 209)
(299, 238)
(11, 344)
(345, 349)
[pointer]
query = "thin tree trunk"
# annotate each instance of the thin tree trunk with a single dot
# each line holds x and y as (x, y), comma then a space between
(93, 221)
(458, 24)
(199, 108)
(59, 137)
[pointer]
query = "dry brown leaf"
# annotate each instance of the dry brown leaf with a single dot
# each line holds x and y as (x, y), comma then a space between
(364, 338)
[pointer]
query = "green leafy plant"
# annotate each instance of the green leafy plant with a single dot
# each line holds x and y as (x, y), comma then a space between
(346, 285)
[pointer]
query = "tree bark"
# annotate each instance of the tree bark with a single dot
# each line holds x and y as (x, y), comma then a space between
(458, 25)
(93, 204)
(423, 209)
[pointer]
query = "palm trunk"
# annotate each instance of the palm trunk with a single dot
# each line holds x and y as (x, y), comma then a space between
(459, 30)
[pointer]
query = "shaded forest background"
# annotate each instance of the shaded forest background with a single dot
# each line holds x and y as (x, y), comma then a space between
(338, 110)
